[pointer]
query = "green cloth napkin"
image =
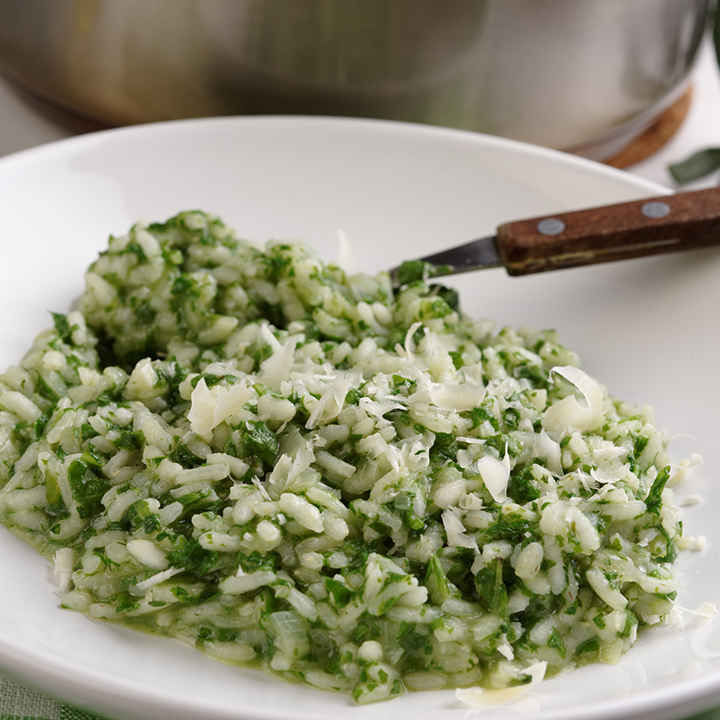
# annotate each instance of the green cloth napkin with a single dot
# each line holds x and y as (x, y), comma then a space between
(18, 702)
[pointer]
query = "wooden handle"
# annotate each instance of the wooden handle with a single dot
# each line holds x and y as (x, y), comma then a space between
(614, 232)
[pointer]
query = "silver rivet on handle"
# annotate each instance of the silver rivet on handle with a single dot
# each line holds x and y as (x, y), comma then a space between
(550, 226)
(655, 209)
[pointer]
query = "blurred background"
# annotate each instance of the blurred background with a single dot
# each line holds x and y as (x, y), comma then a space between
(615, 81)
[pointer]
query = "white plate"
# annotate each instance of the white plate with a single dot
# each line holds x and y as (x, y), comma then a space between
(647, 328)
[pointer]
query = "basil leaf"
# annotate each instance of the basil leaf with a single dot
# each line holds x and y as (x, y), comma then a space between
(697, 166)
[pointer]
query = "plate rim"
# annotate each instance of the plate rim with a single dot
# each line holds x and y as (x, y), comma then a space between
(40, 670)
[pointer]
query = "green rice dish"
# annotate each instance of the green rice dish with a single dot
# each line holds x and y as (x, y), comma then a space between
(313, 474)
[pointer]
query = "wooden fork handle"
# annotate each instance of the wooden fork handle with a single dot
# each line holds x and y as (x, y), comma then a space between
(614, 232)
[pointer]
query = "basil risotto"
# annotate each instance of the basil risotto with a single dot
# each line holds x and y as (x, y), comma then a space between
(314, 474)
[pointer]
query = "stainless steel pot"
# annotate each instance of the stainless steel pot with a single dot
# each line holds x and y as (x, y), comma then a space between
(582, 75)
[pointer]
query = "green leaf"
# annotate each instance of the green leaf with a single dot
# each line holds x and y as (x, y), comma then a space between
(62, 326)
(129, 440)
(490, 587)
(93, 459)
(56, 506)
(139, 514)
(439, 587)
(40, 424)
(204, 633)
(145, 313)
(183, 455)
(483, 414)
(192, 557)
(202, 597)
(631, 621)
(433, 307)
(444, 448)
(260, 441)
(697, 166)
(411, 638)
(106, 561)
(126, 604)
(412, 271)
(555, 641)
(654, 498)
(181, 285)
(340, 592)
(227, 635)
(86, 487)
(511, 526)
(523, 487)
(449, 295)
(672, 551)
(87, 432)
(588, 646)
(191, 498)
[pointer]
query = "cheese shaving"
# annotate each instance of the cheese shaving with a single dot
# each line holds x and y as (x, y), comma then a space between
(568, 414)
(495, 474)
(210, 407)
(707, 610)
(64, 561)
(458, 398)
